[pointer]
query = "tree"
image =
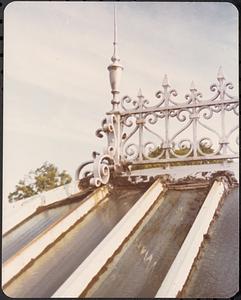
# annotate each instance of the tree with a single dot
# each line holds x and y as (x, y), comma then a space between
(45, 178)
(182, 151)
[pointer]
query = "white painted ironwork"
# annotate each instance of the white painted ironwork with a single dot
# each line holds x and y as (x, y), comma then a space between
(141, 117)
(167, 132)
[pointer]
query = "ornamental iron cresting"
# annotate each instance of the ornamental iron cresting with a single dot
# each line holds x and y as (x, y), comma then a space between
(166, 132)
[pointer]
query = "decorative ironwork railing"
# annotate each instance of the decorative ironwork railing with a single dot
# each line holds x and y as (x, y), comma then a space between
(167, 132)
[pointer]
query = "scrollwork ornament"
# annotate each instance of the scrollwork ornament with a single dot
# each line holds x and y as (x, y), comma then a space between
(145, 103)
(133, 123)
(127, 121)
(173, 113)
(221, 90)
(111, 151)
(189, 98)
(152, 118)
(148, 149)
(160, 95)
(206, 143)
(80, 173)
(100, 132)
(199, 96)
(173, 93)
(216, 108)
(131, 151)
(229, 106)
(101, 170)
(181, 116)
(183, 144)
(107, 126)
(128, 100)
(206, 112)
(229, 85)
(214, 87)
(161, 114)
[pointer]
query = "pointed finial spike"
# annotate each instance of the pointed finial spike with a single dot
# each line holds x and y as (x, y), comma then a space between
(139, 93)
(115, 69)
(165, 81)
(220, 73)
(115, 25)
(115, 56)
(192, 86)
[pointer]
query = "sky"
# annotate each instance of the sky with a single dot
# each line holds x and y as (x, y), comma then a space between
(56, 83)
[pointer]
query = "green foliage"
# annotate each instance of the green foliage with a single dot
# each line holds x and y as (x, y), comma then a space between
(155, 152)
(45, 178)
(181, 151)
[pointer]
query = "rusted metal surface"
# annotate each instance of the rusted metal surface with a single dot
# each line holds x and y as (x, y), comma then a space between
(138, 272)
(129, 237)
(51, 269)
(215, 273)
(182, 171)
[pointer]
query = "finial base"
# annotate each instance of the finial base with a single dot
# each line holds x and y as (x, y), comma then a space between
(115, 71)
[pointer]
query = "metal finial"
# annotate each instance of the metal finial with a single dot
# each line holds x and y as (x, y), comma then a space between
(220, 73)
(165, 81)
(192, 86)
(115, 56)
(115, 69)
(139, 93)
